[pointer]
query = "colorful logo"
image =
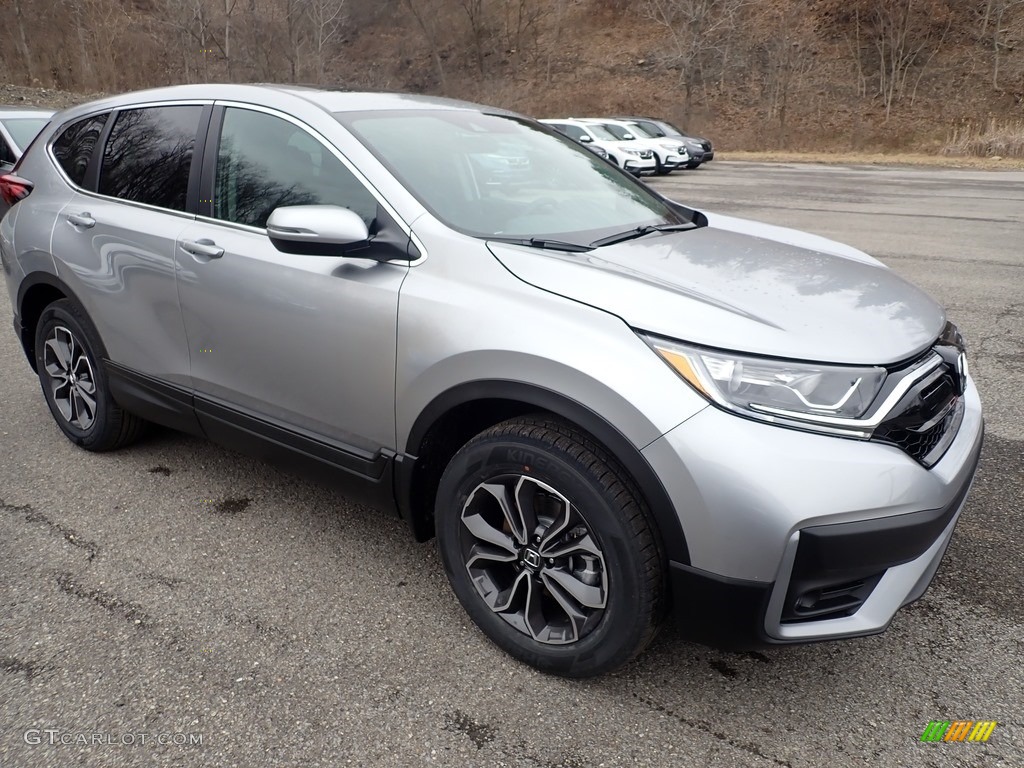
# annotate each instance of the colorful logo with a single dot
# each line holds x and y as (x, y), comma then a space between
(958, 730)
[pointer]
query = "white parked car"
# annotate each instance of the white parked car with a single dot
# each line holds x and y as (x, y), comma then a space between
(669, 153)
(636, 159)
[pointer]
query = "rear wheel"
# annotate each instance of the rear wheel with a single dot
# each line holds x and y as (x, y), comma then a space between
(74, 382)
(549, 549)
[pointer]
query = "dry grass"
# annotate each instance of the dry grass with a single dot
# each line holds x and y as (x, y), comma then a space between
(995, 138)
(865, 158)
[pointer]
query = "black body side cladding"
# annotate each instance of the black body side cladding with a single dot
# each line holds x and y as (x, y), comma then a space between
(615, 442)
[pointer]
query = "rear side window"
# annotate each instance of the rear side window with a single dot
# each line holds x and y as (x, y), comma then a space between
(149, 154)
(73, 148)
(265, 162)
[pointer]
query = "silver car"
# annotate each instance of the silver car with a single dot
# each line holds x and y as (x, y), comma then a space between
(606, 405)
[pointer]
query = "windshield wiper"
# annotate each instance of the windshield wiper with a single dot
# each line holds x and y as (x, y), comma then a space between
(539, 242)
(632, 234)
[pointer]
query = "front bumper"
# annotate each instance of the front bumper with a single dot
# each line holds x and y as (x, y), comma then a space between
(638, 165)
(798, 537)
(675, 160)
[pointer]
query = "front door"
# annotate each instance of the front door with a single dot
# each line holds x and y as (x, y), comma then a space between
(297, 348)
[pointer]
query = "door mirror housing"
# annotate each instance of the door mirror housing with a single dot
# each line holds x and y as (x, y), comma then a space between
(325, 228)
(585, 139)
(330, 230)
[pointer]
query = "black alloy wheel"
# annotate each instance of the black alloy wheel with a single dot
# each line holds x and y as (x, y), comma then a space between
(549, 547)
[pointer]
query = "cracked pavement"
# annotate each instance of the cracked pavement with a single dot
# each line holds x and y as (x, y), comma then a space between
(178, 588)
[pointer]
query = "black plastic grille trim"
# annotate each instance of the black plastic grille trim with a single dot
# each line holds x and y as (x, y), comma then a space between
(925, 421)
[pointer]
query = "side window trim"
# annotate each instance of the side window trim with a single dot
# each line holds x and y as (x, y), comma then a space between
(208, 172)
(194, 197)
(91, 181)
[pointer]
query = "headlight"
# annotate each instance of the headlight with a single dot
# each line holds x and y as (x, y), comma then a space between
(633, 151)
(672, 147)
(814, 395)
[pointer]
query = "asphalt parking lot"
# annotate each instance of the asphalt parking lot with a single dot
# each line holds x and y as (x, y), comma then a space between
(175, 592)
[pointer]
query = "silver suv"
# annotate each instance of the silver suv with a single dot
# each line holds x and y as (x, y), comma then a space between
(606, 405)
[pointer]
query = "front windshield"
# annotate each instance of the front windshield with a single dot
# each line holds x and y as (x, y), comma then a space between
(24, 129)
(601, 132)
(640, 132)
(653, 130)
(671, 130)
(501, 177)
(620, 133)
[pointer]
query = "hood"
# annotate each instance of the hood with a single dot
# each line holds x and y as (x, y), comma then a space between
(744, 292)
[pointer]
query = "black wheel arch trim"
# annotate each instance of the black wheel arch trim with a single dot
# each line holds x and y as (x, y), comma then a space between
(26, 335)
(622, 449)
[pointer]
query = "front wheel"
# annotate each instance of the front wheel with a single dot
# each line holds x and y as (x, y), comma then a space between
(548, 547)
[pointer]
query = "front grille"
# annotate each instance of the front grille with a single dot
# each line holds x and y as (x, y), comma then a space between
(925, 421)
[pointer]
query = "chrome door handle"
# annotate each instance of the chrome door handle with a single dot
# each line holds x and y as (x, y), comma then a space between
(204, 248)
(83, 220)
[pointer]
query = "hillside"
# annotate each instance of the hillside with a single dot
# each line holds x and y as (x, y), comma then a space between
(875, 75)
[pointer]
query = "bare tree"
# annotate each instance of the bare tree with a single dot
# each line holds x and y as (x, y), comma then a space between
(327, 18)
(519, 29)
(695, 30)
(895, 39)
(22, 41)
(559, 14)
(785, 36)
(430, 35)
(999, 13)
(475, 14)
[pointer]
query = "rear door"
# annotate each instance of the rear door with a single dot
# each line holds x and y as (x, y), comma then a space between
(115, 239)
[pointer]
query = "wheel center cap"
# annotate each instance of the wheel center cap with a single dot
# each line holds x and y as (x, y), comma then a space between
(74, 379)
(531, 558)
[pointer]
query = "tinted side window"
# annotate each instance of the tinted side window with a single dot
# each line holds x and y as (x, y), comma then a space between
(265, 162)
(73, 148)
(148, 155)
(574, 132)
(652, 129)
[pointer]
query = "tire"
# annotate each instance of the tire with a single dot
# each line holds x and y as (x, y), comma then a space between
(660, 169)
(693, 165)
(75, 384)
(567, 575)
